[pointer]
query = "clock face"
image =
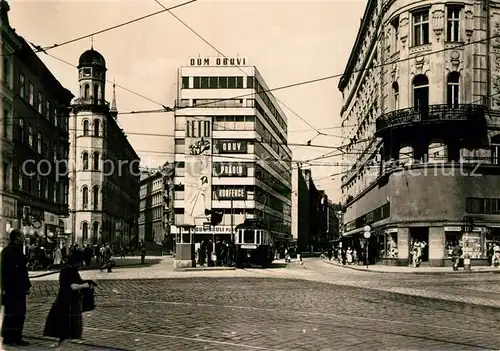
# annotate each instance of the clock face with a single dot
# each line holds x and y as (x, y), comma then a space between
(87, 72)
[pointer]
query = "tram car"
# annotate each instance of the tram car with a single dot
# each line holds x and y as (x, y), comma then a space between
(254, 244)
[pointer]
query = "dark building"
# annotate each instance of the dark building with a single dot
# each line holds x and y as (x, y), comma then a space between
(314, 221)
(41, 144)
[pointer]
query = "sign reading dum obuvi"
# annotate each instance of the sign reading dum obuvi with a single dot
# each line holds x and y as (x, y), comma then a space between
(218, 61)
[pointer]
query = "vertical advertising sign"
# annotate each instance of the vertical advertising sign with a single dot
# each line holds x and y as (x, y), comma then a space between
(198, 166)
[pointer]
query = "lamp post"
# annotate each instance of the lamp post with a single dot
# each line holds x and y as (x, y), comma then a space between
(367, 234)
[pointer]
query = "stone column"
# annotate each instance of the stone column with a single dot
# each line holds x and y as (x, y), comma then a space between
(436, 246)
(403, 249)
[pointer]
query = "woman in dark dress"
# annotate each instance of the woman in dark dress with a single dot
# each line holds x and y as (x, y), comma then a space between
(65, 317)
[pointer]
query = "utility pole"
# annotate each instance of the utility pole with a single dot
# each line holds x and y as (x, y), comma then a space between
(73, 180)
(232, 221)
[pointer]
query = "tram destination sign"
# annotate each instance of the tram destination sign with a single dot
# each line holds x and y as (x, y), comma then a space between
(218, 61)
(232, 193)
(232, 146)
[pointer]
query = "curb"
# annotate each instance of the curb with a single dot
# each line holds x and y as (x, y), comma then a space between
(87, 270)
(43, 274)
(411, 272)
(204, 269)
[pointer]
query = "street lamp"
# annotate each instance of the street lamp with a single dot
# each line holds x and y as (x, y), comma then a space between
(367, 234)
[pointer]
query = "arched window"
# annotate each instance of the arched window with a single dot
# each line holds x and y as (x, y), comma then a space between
(95, 197)
(395, 95)
(453, 89)
(421, 92)
(86, 91)
(39, 143)
(97, 127)
(86, 128)
(85, 197)
(95, 232)
(96, 94)
(85, 231)
(95, 161)
(85, 158)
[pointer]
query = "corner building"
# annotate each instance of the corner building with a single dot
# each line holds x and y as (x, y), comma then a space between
(231, 150)
(421, 106)
(104, 168)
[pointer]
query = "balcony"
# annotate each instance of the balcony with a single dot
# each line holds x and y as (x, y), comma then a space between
(434, 115)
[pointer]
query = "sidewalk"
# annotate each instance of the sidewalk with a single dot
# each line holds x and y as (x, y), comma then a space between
(412, 270)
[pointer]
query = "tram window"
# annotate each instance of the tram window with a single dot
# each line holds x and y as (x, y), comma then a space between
(248, 237)
(240, 239)
(258, 234)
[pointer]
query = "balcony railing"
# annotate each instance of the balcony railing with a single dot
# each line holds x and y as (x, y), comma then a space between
(432, 113)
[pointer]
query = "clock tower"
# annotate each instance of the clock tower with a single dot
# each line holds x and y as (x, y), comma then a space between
(92, 78)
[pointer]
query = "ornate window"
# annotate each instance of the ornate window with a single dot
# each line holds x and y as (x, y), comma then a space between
(95, 231)
(453, 89)
(395, 95)
(421, 28)
(421, 92)
(97, 127)
(86, 91)
(453, 23)
(95, 161)
(85, 197)
(95, 197)
(85, 158)
(86, 128)
(85, 231)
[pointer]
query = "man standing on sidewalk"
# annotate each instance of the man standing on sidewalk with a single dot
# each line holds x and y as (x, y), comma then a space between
(15, 286)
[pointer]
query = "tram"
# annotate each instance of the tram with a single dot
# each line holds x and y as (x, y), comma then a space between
(254, 244)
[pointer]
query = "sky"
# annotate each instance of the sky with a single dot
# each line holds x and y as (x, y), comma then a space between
(288, 41)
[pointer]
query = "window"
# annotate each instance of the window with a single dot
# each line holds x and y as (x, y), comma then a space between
(85, 158)
(86, 92)
(97, 127)
(179, 146)
(395, 36)
(204, 82)
(495, 150)
(85, 197)
(6, 71)
(421, 28)
(95, 232)
(95, 161)
(30, 136)
(40, 103)
(47, 108)
(231, 82)
(31, 94)
(86, 128)
(453, 89)
(421, 92)
(95, 197)
(395, 95)
(6, 123)
(54, 117)
(6, 170)
(185, 82)
(250, 82)
(85, 231)
(21, 130)
(21, 178)
(197, 82)
(39, 143)
(22, 86)
(453, 24)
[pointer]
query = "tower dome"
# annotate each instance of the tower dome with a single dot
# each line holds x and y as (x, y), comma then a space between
(91, 58)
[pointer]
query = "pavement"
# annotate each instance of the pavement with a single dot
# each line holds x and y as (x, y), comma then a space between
(314, 306)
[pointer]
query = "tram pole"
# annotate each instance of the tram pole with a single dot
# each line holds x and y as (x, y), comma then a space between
(232, 222)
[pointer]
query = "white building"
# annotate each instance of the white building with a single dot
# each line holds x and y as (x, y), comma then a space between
(231, 149)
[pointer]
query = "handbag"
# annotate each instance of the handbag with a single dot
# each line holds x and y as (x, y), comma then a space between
(88, 299)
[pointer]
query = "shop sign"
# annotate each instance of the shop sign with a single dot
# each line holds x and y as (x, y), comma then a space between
(459, 229)
(231, 147)
(231, 193)
(208, 230)
(51, 219)
(230, 170)
(391, 230)
(218, 61)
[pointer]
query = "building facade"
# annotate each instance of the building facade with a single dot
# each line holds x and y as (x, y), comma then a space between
(39, 129)
(420, 106)
(152, 207)
(314, 222)
(104, 168)
(231, 149)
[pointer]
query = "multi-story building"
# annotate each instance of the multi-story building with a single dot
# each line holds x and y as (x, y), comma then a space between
(314, 224)
(104, 168)
(231, 149)
(156, 205)
(421, 107)
(39, 128)
(332, 221)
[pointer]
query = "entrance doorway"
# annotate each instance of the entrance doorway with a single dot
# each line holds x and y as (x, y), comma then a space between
(420, 236)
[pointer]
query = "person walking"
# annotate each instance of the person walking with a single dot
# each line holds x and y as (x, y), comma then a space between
(15, 286)
(64, 320)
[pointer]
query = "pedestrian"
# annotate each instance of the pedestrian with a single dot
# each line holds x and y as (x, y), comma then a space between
(64, 320)
(143, 254)
(15, 286)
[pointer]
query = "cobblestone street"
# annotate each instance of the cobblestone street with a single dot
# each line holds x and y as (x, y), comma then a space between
(326, 309)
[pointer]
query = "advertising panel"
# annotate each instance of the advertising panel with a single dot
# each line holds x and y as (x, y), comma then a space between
(198, 163)
(230, 147)
(236, 193)
(230, 169)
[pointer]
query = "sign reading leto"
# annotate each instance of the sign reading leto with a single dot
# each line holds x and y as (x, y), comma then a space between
(231, 147)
